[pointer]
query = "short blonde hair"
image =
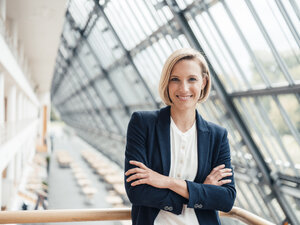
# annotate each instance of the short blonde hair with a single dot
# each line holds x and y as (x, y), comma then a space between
(176, 56)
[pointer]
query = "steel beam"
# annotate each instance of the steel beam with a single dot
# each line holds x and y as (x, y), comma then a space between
(229, 105)
(127, 53)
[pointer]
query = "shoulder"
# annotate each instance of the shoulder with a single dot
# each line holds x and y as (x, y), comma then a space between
(215, 129)
(218, 134)
(145, 116)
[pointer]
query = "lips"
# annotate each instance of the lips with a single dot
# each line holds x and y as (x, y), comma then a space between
(183, 98)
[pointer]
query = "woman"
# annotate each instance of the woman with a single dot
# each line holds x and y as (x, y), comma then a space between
(178, 168)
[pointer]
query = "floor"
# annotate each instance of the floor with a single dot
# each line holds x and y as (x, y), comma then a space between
(64, 193)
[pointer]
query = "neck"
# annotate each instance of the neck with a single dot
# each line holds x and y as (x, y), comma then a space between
(184, 119)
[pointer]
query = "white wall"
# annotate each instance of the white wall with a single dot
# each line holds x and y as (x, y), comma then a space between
(22, 104)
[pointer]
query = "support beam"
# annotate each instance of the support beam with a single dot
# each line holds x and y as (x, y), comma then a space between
(235, 116)
(127, 53)
(290, 89)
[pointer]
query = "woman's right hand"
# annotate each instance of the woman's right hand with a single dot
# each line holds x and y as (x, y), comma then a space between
(217, 174)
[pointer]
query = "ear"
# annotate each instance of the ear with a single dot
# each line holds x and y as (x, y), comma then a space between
(204, 82)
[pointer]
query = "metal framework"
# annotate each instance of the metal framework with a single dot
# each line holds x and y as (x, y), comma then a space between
(111, 55)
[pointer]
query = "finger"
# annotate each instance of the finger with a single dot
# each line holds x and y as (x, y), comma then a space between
(136, 176)
(134, 170)
(226, 170)
(226, 174)
(139, 164)
(222, 175)
(138, 182)
(217, 168)
(221, 182)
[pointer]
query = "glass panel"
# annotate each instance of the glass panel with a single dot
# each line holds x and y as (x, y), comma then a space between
(280, 34)
(256, 41)
(126, 88)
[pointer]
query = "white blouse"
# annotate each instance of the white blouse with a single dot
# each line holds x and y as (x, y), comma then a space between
(184, 165)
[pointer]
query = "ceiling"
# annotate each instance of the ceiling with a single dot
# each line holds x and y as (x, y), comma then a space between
(39, 25)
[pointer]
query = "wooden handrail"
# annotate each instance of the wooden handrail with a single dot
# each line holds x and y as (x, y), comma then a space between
(64, 215)
(245, 216)
(76, 215)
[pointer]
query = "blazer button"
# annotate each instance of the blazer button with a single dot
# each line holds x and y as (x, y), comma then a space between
(171, 208)
(166, 208)
(196, 206)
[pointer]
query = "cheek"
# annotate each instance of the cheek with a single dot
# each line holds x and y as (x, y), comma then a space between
(171, 88)
(197, 89)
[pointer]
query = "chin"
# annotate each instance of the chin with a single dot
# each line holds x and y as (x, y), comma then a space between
(184, 106)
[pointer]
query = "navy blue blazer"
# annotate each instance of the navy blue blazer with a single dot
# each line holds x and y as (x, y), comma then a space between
(148, 141)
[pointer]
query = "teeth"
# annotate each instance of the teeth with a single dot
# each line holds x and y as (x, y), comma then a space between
(184, 97)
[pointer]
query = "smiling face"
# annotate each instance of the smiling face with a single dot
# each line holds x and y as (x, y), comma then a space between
(185, 84)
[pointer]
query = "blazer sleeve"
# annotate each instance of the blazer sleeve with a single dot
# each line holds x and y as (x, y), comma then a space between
(206, 196)
(146, 195)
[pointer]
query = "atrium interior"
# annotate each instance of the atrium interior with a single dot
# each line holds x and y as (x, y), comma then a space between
(73, 72)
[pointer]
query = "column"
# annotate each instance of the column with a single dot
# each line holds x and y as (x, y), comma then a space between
(1, 97)
(2, 10)
(11, 104)
(20, 108)
(0, 189)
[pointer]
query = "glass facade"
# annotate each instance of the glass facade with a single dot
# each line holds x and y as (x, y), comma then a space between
(109, 63)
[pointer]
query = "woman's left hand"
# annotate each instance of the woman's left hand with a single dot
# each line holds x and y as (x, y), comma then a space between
(143, 175)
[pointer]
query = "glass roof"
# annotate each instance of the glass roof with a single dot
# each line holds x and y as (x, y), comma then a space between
(109, 63)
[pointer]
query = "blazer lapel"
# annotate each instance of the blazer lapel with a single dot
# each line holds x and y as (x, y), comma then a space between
(203, 147)
(163, 136)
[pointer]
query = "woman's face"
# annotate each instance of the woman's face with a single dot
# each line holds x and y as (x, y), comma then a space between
(186, 84)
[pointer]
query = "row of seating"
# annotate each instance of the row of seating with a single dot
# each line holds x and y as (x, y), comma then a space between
(110, 173)
(83, 182)
(66, 161)
(35, 185)
(63, 158)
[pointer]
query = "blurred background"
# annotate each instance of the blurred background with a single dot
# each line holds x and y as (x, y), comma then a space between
(72, 72)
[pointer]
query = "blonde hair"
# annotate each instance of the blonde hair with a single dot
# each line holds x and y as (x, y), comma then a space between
(176, 56)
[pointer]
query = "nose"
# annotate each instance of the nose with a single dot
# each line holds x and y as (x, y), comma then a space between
(184, 86)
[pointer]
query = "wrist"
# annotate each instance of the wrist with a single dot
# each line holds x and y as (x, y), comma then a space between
(170, 182)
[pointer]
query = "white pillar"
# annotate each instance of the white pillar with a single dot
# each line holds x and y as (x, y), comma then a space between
(12, 27)
(11, 104)
(3, 10)
(18, 172)
(7, 185)
(1, 189)
(19, 107)
(21, 111)
(26, 106)
(1, 98)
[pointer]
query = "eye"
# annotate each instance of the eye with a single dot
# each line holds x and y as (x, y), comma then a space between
(174, 79)
(193, 79)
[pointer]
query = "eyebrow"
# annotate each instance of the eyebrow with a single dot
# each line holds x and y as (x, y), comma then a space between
(174, 75)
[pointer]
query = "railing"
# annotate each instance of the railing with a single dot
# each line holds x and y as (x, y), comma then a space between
(10, 129)
(244, 216)
(15, 50)
(76, 215)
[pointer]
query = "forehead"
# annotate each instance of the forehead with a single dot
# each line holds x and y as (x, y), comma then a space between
(186, 67)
